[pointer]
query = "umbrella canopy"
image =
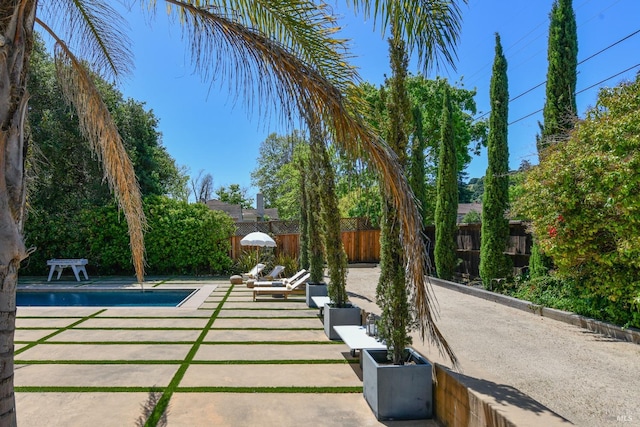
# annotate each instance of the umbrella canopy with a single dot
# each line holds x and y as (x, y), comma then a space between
(258, 238)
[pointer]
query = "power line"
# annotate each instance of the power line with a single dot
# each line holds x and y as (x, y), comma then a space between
(579, 63)
(580, 91)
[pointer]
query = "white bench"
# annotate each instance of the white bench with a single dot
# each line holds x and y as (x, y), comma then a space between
(357, 339)
(77, 265)
(320, 302)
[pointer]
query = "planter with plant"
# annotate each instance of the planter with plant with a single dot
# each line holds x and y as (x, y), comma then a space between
(339, 311)
(311, 237)
(397, 382)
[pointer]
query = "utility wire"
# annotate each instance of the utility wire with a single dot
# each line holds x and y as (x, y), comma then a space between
(579, 63)
(582, 90)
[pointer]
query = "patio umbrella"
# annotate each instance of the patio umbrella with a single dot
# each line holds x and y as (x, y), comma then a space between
(258, 239)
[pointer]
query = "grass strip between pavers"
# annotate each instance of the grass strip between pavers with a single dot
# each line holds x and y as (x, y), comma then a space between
(103, 343)
(354, 389)
(267, 317)
(133, 328)
(163, 402)
(267, 329)
(32, 344)
(72, 389)
(272, 342)
(268, 309)
(194, 362)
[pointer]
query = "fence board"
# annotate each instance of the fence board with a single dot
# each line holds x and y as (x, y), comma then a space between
(362, 242)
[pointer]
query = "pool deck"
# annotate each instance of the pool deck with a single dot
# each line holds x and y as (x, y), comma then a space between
(222, 360)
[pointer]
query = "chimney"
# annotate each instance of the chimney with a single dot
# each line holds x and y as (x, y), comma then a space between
(259, 206)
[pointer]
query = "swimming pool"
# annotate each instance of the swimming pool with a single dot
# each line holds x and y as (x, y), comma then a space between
(103, 298)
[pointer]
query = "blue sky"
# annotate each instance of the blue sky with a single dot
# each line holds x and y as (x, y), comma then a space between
(205, 129)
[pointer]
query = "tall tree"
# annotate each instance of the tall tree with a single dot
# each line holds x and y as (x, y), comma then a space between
(333, 248)
(235, 195)
(426, 96)
(391, 292)
(495, 226)
(313, 187)
(417, 170)
(560, 105)
(202, 187)
(446, 197)
(272, 174)
(287, 53)
(302, 166)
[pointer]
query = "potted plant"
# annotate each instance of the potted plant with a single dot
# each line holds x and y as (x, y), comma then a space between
(397, 382)
(311, 232)
(339, 311)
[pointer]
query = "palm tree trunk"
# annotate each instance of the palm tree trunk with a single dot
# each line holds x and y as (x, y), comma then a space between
(8, 280)
(16, 38)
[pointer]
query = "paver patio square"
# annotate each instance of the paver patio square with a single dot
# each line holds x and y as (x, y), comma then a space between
(268, 323)
(311, 313)
(111, 322)
(106, 352)
(277, 303)
(210, 306)
(79, 409)
(30, 335)
(276, 409)
(126, 375)
(271, 352)
(154, 312)
(45, 322)
(140, 335)
(315, 375)
(263, 335)
(56, 311)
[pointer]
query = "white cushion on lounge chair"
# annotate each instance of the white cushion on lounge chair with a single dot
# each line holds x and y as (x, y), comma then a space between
(281, 290)
(284, 281)
(254, 272)
(277, 270)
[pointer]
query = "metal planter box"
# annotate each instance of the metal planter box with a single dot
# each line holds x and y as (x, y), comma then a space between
(334, 316)
(315, 291)
(397, 392)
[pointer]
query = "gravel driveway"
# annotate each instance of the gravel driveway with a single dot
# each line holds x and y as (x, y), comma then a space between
(587, 378)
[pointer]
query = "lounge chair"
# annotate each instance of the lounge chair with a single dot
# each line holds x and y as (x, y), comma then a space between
(279, 282)
(296, 287)
(275, 273)
(254, 272)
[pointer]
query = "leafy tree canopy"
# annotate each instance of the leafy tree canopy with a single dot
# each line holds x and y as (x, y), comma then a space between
(235, 195)
(582, 201)
(69, 176)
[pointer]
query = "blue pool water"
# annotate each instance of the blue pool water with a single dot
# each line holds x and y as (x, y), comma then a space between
(103, 298)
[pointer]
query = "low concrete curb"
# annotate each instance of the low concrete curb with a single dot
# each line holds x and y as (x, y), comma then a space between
(604, 328)
(465, 401)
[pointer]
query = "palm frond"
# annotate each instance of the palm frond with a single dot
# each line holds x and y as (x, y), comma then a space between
(430, 27)
(272, 65)
(98, 127)
(305, 88)
(94, 30)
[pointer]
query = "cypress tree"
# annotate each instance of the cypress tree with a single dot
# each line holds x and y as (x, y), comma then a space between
(495, 201)
(562, 55)
(417, 170)
(314, 221)
(302, 165)
(391, 293)
(334, 249)
(446, 196)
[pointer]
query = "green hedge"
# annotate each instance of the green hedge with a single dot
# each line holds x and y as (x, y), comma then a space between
(181, 238)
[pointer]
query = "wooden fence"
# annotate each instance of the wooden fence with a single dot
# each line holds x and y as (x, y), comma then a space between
(362, 242)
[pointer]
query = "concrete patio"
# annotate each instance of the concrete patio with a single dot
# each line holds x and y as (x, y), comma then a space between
(229, 362)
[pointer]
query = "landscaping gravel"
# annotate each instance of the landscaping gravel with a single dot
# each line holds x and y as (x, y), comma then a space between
(587, 378)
